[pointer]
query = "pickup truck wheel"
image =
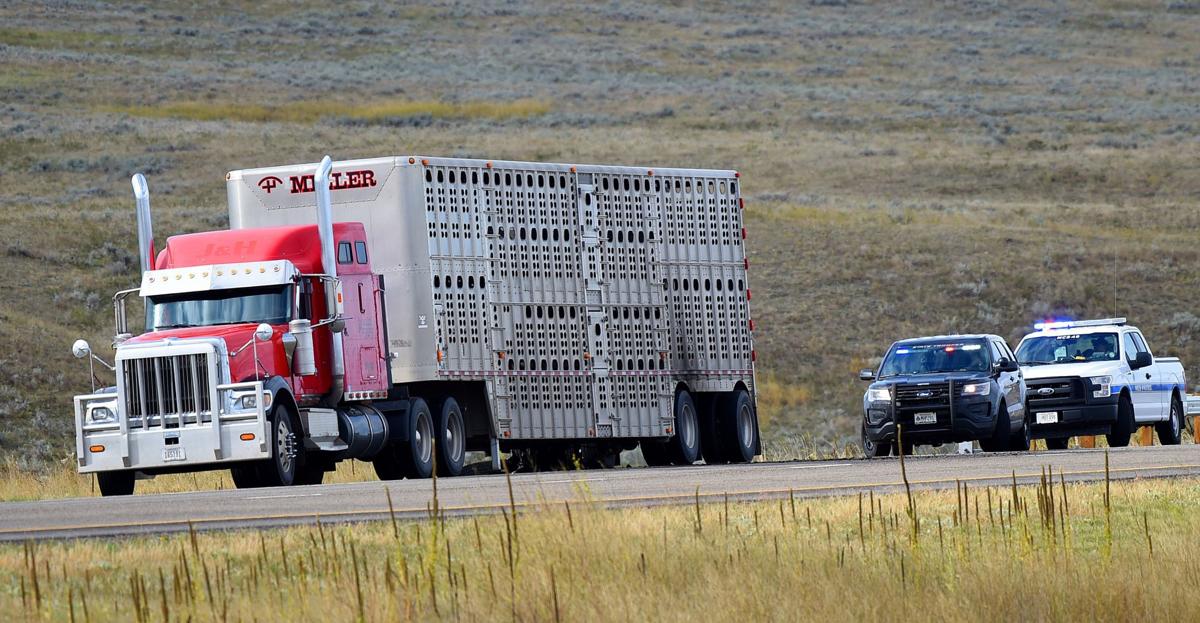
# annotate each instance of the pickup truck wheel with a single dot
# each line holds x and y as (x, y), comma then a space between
(998, 442)
(874, 449)
(684, 447)
(115, 483)
(1057, 443)
(736, 417)
(1123, 427)
(1170, 432)
(280, 469)
(451, 439)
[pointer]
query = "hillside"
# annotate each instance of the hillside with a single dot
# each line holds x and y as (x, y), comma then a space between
(907, 169)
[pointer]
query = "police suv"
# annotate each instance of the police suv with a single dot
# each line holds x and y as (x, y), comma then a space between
(945, 389)
(1098, 377)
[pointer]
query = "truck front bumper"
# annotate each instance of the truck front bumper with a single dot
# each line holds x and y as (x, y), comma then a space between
(175, 443)
(970, 419)
(1094, 418)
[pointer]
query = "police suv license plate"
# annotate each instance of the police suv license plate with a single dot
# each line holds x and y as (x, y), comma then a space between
(925, 418)
(173, 453)
(1047, 417)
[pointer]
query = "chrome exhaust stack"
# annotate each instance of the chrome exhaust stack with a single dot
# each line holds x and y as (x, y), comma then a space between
(141, 194)
(329, 266)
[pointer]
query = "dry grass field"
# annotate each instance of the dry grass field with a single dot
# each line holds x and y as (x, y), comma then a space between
(909, 168)
(1053, 552)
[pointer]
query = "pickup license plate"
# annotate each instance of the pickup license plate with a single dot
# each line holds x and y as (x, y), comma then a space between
(173, 453)
(925, 418)
(1047, 417)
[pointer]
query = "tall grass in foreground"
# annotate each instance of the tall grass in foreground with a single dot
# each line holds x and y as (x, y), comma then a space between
(1052, 551)
(315, 110)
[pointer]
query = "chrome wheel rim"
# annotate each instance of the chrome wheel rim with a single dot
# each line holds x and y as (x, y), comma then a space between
(687, 426)
(745, 426)
(282, 429)
(423, 435)
(454, 438)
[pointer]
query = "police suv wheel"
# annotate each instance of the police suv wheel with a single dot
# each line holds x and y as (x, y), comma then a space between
(874, 449)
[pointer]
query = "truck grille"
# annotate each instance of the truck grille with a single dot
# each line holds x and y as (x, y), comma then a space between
(931, 394)
(161, 389)
(1055, 392)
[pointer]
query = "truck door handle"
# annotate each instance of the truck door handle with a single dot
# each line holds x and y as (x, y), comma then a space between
(1147, 375)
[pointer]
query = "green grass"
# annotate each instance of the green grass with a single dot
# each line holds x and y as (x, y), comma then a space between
(1051, 552)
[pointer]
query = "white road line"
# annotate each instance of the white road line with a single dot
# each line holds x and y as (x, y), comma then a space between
(818, 466)
(277, 497)
(550, 482)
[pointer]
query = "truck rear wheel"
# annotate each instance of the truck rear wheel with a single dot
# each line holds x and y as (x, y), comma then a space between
(736, 420)
(451, 439)
(684, 447)
(412, 458)
(1170, 432)
(115, 483)
(1123, 427)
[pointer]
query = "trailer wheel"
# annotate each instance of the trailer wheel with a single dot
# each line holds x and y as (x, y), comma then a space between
(1170, 431)
(451, 439)
(115, 483)
(740, 427)
(655, 452)
(1123, 427)
(683, 448)
(245, 476)
(280, 469)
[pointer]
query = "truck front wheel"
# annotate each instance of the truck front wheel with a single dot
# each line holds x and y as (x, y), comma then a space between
(115, 483)
(1123, 427)
(280, 469)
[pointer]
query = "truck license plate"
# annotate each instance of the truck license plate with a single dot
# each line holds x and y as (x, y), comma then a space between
(925, 418)
(173, 453)
(1047, 417)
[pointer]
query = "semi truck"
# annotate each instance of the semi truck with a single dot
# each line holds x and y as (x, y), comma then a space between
(408, 310)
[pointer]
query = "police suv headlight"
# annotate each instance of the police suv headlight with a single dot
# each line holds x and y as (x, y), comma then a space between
(977, 389)
(1103, 386)
(879, 394)
(101, 415)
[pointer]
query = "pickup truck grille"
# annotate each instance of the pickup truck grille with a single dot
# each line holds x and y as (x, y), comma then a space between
(157, 388)
(1055, 392)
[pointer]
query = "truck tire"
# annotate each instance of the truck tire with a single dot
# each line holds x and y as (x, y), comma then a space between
(998, 442)
(451, 439)
(683, 448)
(1057, 443)
(412, 458)
(1123, 427)
(735, 416)
(1170, 432)
(655, 452)
(115, 483)
(312, 472)
(710, 431)
(280, 469)
(874, 449)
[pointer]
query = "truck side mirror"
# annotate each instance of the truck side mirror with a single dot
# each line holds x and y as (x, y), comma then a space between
(866, 375)
(1142, 360)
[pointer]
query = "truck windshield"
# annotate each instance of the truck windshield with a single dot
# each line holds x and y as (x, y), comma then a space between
(272, 305)
(1068, 349)
(931, 357)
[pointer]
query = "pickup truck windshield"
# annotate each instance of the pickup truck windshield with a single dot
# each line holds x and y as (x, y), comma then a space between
(1068, 349)
(935, 357)
(272, 305)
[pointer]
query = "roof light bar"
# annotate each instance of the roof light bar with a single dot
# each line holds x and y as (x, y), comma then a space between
(1070, 324)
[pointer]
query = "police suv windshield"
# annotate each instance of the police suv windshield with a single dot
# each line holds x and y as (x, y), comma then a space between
(1072, 348)
(271, 304)
(932, 357)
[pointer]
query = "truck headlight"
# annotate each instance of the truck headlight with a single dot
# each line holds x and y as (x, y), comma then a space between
(977, 389)
(879, 394)
(101, 415)
(1103, 386)
(250, 401)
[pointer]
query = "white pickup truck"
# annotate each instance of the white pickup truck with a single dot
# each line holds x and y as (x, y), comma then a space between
(1098, 377)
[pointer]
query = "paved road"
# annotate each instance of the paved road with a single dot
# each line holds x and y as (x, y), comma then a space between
(367, 501)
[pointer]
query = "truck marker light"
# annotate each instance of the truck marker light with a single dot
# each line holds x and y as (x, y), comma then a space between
(650, 172)
(204, 274)
(572, 169)
(412, 160)
(191, 275)
(425, 162)
(746, 262)
(508, 433)
(96, 448)
(339, 299)
(736, 174)
(178, 276)
(751, 324)
(488, 164)
(741, 203)
(151, 279)
(747, 294)
(668, 430)
(246, 436)
(262, 269)
(220, 272)
(753, 356)
(743, 233)
(247, 271)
